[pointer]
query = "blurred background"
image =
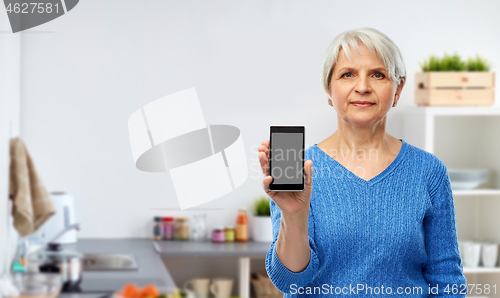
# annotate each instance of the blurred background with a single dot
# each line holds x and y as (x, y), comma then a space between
(70, 85)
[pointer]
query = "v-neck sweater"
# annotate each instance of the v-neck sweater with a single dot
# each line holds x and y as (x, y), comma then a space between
(395, 232)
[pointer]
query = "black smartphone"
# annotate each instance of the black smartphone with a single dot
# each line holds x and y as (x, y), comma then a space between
(286, 158)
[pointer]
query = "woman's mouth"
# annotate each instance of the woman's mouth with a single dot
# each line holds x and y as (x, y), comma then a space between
(362, 104)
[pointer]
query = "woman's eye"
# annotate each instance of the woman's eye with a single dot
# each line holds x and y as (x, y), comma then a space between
(381, 75)
(347, 73)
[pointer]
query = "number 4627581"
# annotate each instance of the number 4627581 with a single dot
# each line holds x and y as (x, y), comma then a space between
(32, 8)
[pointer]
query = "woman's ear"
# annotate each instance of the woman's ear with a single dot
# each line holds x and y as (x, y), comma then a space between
(398, 91)
(400, 87)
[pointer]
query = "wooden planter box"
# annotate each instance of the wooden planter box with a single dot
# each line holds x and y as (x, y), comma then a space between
(455, 88)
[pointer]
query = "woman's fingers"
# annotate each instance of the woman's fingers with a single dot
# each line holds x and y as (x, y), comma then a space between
(263, 148)
(265, 184)
(264, 163)
(264, 157)
(309, 172)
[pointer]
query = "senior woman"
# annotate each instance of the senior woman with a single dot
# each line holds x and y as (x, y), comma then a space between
(377, 218)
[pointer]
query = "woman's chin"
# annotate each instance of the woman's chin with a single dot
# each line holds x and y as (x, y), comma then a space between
(362, 120)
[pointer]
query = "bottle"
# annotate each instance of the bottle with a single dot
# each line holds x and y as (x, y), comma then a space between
(19, 264)
(181, 229)
(242, 225)
(218, 234)
(168, 228)
(229, 234)
(157, 229)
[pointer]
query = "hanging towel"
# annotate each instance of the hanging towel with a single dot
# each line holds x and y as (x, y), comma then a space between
(32, 205)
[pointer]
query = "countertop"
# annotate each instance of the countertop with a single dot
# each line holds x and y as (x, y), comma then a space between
(207, 248)
(148, 254)
(151, 267)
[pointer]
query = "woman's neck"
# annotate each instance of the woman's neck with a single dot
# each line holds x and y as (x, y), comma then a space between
(360, 143)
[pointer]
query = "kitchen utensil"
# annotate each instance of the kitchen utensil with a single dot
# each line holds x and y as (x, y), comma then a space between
(467, 178)
(181, 228)
(218, 234)
(241, 234)
(54, 259)
(471, 254)
(221, 287)
(63, 218)
(158, 228)
(461, 249)
(7, 287)
(37, 284)
(262, 229)
(489, 254)
(198, 227)
(168, 228)
(200, 286)
(187, 293)
(109, 262)
(229, 233)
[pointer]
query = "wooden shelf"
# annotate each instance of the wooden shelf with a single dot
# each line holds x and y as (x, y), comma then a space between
(435, 129)
(477, 192)
(457, 111)
(481, 270)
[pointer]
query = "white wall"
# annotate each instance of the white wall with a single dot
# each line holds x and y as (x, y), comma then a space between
(254, 64)
(10, 88)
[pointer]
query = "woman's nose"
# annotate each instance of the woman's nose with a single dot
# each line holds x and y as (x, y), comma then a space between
(363, 86)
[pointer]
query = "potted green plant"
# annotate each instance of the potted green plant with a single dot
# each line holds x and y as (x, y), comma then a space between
(452, 81)
(262, 226)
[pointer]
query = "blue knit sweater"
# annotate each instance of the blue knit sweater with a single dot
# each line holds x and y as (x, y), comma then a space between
(393, 235)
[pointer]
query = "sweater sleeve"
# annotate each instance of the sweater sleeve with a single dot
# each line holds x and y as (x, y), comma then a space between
(444, 265)
(282, 278)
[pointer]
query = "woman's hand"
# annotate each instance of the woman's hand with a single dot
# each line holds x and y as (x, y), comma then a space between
(290, 202)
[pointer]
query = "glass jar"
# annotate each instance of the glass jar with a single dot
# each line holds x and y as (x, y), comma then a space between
(181, 228)
(229, 234)
(157, 229)
(55, 259)
(198, 227)
(242, 225)
(168, 228)
(218, 235)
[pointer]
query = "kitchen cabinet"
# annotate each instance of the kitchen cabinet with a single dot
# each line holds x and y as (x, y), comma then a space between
(241, 250)
(465, 137)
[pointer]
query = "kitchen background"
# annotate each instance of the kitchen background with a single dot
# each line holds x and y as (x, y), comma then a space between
(69, 86)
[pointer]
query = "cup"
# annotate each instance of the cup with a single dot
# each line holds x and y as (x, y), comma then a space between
(221, 287)
(200, 286)
(460, 248)
(489, 254)
(187, 293)
(471, 254)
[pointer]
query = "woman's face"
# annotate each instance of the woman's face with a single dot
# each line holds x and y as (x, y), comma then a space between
(362, 79)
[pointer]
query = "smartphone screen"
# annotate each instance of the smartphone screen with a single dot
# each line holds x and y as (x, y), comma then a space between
(286, 158)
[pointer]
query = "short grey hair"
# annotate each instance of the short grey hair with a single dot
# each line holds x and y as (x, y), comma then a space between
(374, 40)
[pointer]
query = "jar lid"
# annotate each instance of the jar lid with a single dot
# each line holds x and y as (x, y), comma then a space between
(242, 208)
(230, 227)
(181, 219)
(219, 228)
(157, 219)
(168, 218)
